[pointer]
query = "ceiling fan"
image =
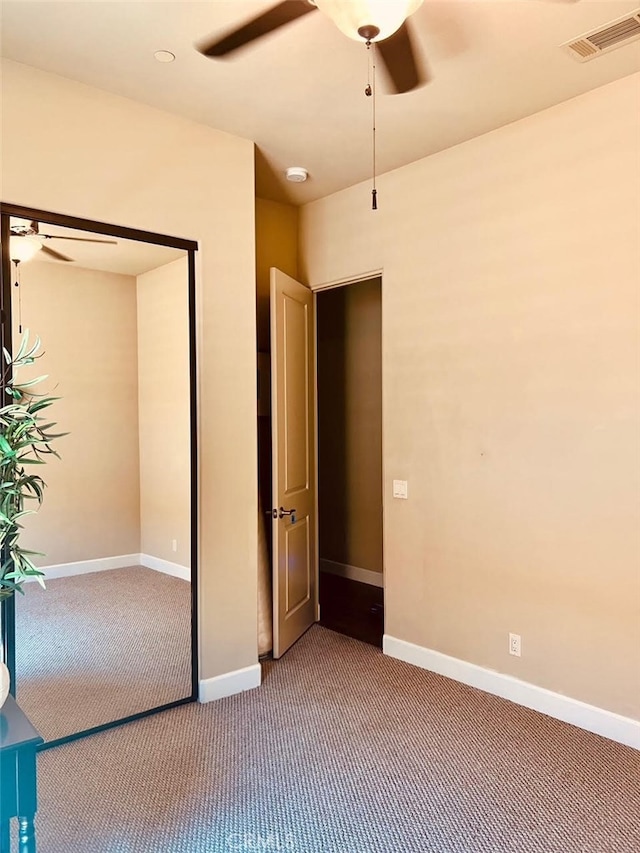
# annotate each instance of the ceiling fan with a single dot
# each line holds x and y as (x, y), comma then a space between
(27, 239)
(380, 21)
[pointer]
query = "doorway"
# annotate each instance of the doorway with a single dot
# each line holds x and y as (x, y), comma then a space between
(325, 395)
(349, 434)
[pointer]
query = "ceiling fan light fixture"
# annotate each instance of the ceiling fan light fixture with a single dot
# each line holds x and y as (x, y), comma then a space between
(23, 249)
(359, 19)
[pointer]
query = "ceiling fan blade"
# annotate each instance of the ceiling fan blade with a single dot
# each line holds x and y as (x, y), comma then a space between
(271, 20)
(398, 54)
(57, 255)
(77, 239)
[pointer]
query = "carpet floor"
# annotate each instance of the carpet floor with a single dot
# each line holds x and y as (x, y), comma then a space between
(342, 750)
(97, 647)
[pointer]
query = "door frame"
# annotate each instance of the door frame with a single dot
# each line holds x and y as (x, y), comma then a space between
(7, 606)
(320, 288)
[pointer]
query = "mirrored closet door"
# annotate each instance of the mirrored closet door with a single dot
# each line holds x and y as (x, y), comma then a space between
(112, 635)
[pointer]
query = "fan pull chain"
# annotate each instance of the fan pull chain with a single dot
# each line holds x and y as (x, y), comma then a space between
(17, 284)
(370, 92)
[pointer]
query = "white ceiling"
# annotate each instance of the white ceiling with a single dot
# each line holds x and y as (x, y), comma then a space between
(299, 93)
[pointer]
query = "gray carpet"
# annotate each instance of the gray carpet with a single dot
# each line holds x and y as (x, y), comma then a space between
(342, 750)
(98, 647)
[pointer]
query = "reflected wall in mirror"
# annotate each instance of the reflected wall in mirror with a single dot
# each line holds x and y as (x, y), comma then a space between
(111, 636)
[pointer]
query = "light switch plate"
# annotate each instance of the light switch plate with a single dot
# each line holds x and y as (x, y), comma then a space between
(400, 489)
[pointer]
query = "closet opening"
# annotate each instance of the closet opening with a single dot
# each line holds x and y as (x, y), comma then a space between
(349, 438)
(320, 517)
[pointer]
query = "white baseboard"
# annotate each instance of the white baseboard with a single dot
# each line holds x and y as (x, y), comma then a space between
(83, 567)
(354, 573)
(230, 683)
(597, 720)
(165, 566)
(123, 561)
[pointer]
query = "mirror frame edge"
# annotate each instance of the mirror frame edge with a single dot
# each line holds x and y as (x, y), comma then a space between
(7, 607)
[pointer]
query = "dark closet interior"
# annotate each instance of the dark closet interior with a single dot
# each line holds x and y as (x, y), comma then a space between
(349, 386)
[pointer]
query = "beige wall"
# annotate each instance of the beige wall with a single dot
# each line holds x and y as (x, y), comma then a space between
(164, 414)
(86, 320)
(510, 371)
(349, 344)
(74, 149)
(276, 246)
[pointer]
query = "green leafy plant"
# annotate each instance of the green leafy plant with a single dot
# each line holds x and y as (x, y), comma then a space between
(25, 440)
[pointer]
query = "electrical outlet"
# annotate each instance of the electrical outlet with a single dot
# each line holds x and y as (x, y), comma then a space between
(515, 647)
(174, 545)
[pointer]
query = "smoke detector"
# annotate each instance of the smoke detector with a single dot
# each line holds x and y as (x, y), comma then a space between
(297, 174)
(608, 37)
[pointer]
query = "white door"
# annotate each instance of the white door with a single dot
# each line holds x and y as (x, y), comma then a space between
(295, 580)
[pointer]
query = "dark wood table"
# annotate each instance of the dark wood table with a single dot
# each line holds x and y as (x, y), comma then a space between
(18, 788)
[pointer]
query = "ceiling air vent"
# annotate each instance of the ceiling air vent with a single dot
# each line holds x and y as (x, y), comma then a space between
(614, 34)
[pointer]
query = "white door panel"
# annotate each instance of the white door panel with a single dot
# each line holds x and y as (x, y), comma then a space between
(295, 586)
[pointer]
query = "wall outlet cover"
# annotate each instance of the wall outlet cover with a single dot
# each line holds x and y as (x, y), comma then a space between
(515, 645)
(400, 489)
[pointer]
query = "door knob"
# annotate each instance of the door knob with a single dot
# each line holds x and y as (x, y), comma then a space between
(274, 513)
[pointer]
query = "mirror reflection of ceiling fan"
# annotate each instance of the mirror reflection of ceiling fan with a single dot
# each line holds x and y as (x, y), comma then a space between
(26, 240)
(384, 22)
